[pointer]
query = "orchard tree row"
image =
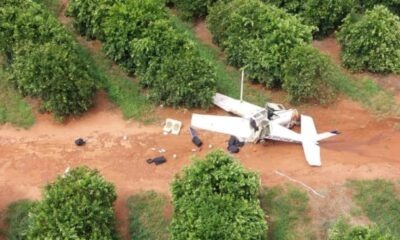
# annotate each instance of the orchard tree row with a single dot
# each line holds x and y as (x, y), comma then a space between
(43, 59)
(271, 40)
(141, 37)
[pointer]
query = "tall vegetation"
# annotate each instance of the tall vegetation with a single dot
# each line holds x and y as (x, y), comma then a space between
(147, 216)
(78, 205)
(193, 9)
(310, 76)
(17, 219)
(342, 230)
(44, 59)
(325, 15)
(371, 41)
(89, 16)
(217, 199)
(258, 37)
(141, 37)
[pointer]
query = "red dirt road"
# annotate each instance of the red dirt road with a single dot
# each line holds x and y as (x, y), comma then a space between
(31, 158)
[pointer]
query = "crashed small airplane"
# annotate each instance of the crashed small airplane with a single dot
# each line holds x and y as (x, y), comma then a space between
(257, 124)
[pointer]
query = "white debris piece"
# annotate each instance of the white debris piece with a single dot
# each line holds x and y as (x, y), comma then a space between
(172, 126)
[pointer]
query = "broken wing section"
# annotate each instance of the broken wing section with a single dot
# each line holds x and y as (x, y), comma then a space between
(234, 126)
(243, 109)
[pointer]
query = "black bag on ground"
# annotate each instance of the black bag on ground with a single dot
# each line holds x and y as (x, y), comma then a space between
(157, 160)
(234, 144)
(233, 149)
(197, 141)
(80, 142)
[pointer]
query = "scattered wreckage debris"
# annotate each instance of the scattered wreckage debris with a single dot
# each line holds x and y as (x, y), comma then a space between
(80, 142)
(172, 126)
(157, 160)
(195, 138)
(301, 183)
(234, 145)
(259, 124)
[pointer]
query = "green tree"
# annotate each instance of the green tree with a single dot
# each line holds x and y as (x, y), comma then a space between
(371, 41)
(89, 16)
(44, 59)
(310, 76)
(56, 74)
(257, 36)
(217, 199)
(78, 205)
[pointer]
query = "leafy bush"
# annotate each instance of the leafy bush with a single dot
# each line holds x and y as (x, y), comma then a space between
(78, 205)
(371, 42)
(89, 16)
(126, 22)
(55, 74)
(45, 60)
(327, 16)
(257, 36)
(291, 6)
(310, 75)
(393, 5)
(147, 218)
(17, 219)
(28, 21)
(217, 199)
(342, 230)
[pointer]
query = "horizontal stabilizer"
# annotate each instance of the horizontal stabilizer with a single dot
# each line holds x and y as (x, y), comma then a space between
(312, 152)
(310, 141)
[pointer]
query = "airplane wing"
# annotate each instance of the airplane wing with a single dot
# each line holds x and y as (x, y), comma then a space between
(309, 135)
(236, 126)
(243, 109)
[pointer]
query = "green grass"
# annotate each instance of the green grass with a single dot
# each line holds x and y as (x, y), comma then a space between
(123, 91)
(16, 218)
(287, 210)
(228, 78)
(380, 201)
(147, 218)
(13, 108)
(370, 95)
